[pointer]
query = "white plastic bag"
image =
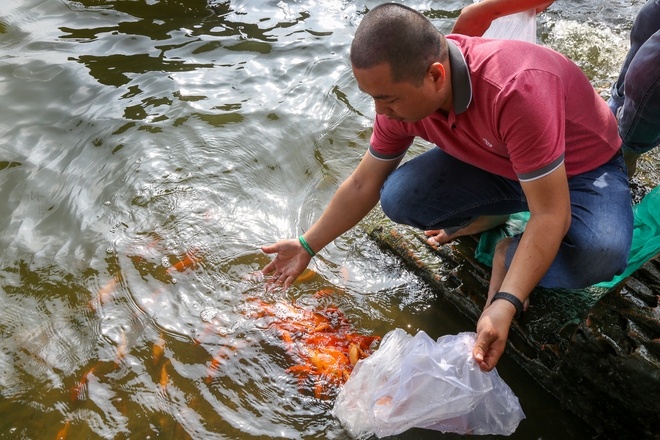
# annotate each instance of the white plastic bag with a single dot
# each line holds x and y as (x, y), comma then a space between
(416, 382)
(353, 406)
(519, 26)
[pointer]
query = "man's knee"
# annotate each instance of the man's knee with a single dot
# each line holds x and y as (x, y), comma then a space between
(597, 260)
(583, 264)
(603, 264)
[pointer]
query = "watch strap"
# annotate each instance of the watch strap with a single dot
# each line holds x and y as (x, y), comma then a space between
(512, 299)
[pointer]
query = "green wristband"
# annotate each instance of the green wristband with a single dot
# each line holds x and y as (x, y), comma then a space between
(306, 246)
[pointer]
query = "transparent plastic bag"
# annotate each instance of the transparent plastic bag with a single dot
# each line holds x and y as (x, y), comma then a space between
(520, 26)
(417, 382)
(353, 406)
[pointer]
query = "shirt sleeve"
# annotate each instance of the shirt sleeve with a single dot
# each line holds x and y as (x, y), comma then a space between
(389, 139)
(532, 123)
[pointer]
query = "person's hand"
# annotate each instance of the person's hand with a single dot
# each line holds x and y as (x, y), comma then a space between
(472, 21)
(291, 260)
(492, 333)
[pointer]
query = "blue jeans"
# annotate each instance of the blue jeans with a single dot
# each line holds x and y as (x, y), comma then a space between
(635, 96)
(437, 191)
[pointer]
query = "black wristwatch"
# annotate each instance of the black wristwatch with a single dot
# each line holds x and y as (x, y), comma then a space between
(512, 299)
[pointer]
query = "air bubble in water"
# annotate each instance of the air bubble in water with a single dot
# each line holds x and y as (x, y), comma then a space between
(208, 314)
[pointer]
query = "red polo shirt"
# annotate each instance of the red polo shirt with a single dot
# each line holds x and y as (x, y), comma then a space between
(520, 111)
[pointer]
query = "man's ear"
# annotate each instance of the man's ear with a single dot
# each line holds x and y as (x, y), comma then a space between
(437, 72)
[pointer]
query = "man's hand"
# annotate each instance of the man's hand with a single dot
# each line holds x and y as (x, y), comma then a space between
(291, 260)
(475, 19)
(492, 333)
(355, 197)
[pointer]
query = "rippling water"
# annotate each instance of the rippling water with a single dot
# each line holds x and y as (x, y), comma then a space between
(147, 149)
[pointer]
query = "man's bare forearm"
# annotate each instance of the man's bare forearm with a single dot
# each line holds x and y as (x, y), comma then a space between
(500, 8)
(535, 253)
(476, 18)
(352, 201)
(348, 206)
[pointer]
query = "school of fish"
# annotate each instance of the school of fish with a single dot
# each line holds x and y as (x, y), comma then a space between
(320, 342)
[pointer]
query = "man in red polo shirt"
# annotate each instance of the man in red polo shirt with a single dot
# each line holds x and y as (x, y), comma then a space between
(518, 128)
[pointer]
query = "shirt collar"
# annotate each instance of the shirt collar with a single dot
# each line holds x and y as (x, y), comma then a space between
(460, 78)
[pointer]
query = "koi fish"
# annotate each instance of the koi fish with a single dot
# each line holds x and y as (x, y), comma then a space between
(186, 263)
(344, 275)
(80, 387)
(62, 433)
(104, 295)
(323, 293)
(307, 275)
(122, 349)
(321, 343)
(164, 378)
(223, 354)
(158, 349)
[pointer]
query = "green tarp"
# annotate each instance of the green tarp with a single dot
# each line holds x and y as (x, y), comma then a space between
(645, 242)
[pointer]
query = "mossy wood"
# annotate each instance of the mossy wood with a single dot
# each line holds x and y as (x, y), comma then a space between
(597, 350)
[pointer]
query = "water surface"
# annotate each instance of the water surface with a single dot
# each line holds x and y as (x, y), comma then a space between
(138, 135)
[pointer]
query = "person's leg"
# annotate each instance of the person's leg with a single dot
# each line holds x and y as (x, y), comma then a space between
(639, 117)
(597, 245)
(636, 94)
(647, 23)
(436, 191)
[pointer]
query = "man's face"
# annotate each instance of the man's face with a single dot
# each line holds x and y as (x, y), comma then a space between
(401, 101)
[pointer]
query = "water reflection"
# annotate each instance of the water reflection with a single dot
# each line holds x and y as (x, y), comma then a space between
(147, 149)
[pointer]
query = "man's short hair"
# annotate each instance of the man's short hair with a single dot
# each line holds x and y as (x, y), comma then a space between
(396, 34)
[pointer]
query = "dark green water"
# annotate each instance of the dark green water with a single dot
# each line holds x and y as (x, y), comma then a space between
(136, 133)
